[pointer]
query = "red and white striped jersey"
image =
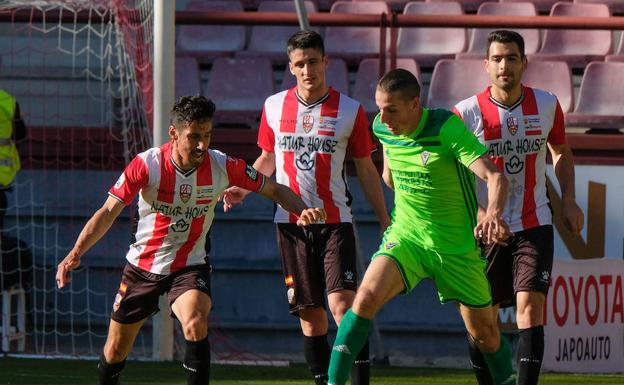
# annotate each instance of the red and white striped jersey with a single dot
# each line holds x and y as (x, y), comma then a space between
(310, 142)
(176, 207)
(516, 138)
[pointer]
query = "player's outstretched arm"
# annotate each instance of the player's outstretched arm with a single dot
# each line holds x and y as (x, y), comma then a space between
(563, 163)
(371, 185)
(235, 195)
(290, 201)
(491, 226)
(95, 229)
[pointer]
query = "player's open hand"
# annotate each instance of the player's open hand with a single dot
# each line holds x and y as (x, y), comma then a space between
(573, 217)
(69, 263)
(311, 215)
(492, 229)
(231, 197)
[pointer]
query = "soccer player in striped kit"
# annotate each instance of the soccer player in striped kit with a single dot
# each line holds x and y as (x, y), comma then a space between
(178, 185)
(304, 134)
(518, 123)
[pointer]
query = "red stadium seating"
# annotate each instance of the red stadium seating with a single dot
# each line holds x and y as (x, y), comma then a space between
(395, 5)
(207, 42)
(428, 45)
(600, 98)
(543, 6)
(239, 87)
(367, 77)
(187, 81)
(577, 47)
(619, 54)
(478, 41)
(337, 76)
(271, 41)
(552, 76)
(467, 5)
(354, 43)
(455, 80)
(616, 6)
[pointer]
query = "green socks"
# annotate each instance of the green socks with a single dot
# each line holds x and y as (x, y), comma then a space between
(351, 337)
(499, 363)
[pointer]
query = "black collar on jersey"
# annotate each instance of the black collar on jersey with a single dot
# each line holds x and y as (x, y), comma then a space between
(312, 105)
(182, 172)
(510, 108)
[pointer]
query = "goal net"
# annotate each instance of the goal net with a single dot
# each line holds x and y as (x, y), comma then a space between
(81, 73)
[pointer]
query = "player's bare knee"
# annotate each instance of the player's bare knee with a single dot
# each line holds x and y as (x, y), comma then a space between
(488, 338)
(113, 353)
(313, 321)
(338, 310)
(196, 327)
(366, 303)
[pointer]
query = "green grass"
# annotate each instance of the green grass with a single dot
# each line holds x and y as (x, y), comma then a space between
(70, 372)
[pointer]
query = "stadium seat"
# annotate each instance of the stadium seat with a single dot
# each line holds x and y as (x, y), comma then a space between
(616, 6)
(619, 54)
(577, 47)
(543, 6)
(337, 76)
(455, 80)
(395, 5)
(60, 102)
(187, 80)
(354, 43)
(428, 45)
(478, 40)
(271, 41)
(367, 77)
(205, 42)
(467, 5)
(599, 103)
(552, 76)
(239, 87)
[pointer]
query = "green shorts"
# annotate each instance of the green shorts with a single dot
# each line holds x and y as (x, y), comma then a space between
(458, 277)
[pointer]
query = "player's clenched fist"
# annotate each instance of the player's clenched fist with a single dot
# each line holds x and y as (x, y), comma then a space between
(311, 215)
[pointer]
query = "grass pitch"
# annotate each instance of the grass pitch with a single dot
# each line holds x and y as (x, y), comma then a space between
(18, 371)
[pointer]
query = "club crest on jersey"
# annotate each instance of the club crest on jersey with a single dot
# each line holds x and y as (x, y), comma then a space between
(424, 156)
(185, 192)
(512, 125)
(391, 245)
(308, 123)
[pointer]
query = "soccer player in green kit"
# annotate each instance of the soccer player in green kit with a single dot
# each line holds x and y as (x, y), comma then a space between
(429, 161)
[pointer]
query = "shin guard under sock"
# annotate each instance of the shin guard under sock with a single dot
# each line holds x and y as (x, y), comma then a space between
(197, 362)
(499, 363)
(351, 337)
(316, 350)
(530, 355)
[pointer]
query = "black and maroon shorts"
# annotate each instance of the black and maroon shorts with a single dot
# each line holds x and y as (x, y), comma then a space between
(315, 259)
(137, 297)
(525, 264)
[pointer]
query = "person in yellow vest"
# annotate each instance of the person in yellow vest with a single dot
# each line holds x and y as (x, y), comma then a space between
(12, 129)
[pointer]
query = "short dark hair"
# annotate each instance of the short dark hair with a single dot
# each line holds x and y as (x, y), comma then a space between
(190, 109)
(305, 39)
(505, 36)
(402, 81)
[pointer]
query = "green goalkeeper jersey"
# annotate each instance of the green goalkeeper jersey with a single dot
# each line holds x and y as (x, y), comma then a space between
(435, 198)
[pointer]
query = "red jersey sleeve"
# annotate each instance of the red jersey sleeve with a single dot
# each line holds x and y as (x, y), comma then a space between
(557, 133)
(243, 175)
(361, 142)
(456, 112)
(266, 137)
(131, 181)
